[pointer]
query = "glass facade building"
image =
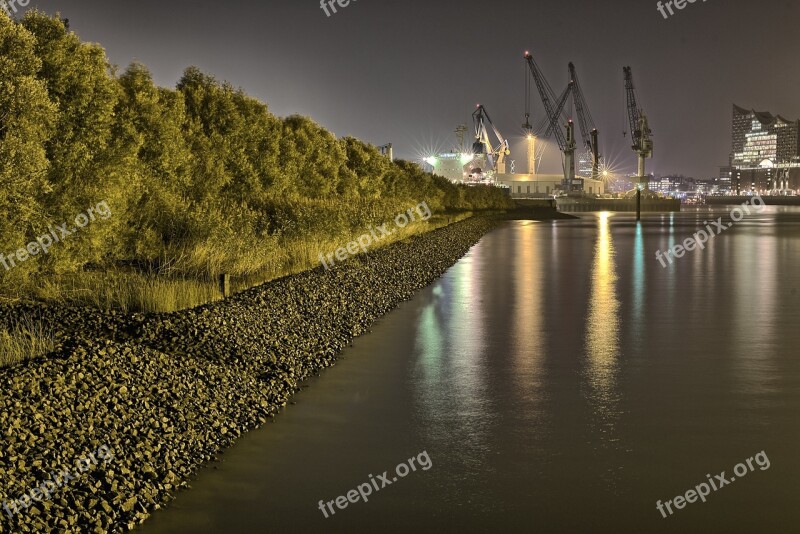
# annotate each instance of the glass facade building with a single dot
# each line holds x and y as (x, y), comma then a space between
(765, 156)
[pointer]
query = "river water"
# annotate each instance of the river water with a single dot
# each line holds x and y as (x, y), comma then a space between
(559, 379)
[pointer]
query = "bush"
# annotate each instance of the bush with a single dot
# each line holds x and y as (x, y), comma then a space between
(201, 179)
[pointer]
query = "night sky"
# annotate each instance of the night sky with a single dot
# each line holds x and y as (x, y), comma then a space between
(408, 72)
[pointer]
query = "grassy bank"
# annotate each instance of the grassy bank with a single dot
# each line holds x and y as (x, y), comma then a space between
(133, 290)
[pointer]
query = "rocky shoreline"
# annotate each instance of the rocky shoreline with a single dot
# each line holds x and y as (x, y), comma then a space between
(166, 393)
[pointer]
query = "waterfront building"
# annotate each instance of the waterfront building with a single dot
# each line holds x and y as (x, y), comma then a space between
(545, 185)
(725, 179)
(765, 153)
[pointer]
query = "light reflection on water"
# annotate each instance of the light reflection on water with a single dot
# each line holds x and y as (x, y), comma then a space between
(602, 326)
(638, 280)
(603, 343)
(527, 337)
(561, 380)
(755, 312)
(452, 397)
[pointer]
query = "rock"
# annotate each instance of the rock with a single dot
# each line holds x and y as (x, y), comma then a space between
(167, 392)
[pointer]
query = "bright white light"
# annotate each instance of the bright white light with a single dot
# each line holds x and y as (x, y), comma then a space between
(430, 160)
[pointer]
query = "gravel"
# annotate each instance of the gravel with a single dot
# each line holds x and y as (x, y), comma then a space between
(166, 393)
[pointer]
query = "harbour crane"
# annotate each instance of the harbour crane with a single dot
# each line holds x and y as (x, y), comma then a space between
(554, 108)
(640, 131)
(496, 156)
(585, 121)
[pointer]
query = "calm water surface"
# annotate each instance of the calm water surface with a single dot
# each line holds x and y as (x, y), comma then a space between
(560, 380)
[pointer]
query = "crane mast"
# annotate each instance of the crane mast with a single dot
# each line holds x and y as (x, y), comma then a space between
(640, 131)
(529, 135)
(566, 141)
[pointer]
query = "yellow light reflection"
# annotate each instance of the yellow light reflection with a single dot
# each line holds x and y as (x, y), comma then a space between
(602, 334)
(528, 334)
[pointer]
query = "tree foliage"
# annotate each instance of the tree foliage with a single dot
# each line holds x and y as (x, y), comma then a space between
(197, 178)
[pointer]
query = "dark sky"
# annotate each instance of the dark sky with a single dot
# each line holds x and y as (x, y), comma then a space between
(409, 71)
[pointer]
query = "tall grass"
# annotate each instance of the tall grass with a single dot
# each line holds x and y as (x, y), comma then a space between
(26, 340)
(128, 291)
(173, 290)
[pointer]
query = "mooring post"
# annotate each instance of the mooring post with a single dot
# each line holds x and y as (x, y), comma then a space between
(638, 204)
(225, 285)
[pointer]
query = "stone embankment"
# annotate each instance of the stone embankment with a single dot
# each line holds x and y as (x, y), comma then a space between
(166, 393)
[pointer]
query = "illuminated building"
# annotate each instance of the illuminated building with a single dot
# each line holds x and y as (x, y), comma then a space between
(765, 156)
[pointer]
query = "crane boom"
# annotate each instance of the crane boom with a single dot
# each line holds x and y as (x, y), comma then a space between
(559, 110)
(585, 122)
(566, 142)
(548, 96)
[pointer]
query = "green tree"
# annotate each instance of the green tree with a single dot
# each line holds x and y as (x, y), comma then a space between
(311, 159)
(27, 119)
(151, 121)
(369, 167)
(87, 162)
